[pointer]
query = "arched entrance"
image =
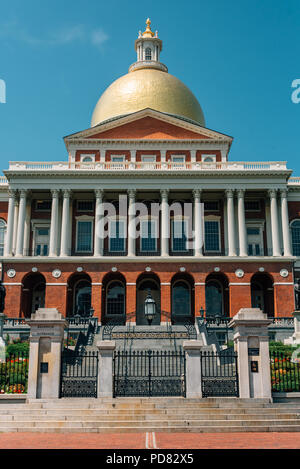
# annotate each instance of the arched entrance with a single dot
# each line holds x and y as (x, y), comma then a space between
(182, 299)
(114, 298)
(147, 283)
(262, 293)
(217, 295)
(33, 294)
(79, 295)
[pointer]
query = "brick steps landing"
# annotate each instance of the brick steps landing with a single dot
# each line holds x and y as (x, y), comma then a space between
(132, 415)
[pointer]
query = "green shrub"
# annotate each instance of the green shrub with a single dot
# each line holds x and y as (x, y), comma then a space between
(17, 347)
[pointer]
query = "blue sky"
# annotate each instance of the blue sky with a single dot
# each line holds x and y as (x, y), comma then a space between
(239, 57)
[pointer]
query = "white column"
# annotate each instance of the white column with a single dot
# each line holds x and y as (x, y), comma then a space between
(64, 245)
(27, 227)
(274, 222)
(21, 223)
(242, 223)
(285, 223)
(54, 224)
(131, 223)
(165, 221)
(10, 223)
(198, 237)
(16, 217)
(230, 222)
(99, 228)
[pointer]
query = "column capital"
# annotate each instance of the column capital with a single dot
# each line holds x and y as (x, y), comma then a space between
(23, 193)
(55, 193)
(241, 193)
(164, 193)
(131, 193)
(99, 193)
(67, 193)
(283, 193)
(12, 193)
(272, 193)
(197, 193)
(229, 193)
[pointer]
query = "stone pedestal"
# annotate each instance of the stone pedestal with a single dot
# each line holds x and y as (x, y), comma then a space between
(46, 340)
(105, 373)
(193, 368)
(295, 338)
(252, 344)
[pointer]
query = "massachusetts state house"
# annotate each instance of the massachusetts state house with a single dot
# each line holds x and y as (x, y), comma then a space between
(147, 201)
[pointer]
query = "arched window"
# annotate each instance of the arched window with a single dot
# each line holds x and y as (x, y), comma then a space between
(214, 298)
(82, 299)
(2, 236)
(148, 54)
(115, 298)
(208, 159)
(181, 299)
(295, 228)
(87, 159)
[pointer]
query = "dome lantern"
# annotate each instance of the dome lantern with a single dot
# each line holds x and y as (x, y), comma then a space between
(148, 47)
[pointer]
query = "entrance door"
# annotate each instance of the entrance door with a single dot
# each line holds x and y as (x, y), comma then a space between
(257, 297)
(38, 297)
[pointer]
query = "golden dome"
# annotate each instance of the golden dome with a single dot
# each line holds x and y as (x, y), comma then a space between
(147, 88)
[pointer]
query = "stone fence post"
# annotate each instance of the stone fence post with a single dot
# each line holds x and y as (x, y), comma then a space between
(252, 345)
(105, 371)
(193, 368)
(46, 340)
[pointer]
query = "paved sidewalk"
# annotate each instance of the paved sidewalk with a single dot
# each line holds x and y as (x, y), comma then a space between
(187, 441)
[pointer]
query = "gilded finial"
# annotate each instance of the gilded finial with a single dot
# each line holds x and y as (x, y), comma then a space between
(148, 32)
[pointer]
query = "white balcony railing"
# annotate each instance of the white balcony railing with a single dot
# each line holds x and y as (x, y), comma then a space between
(294, 181)
(146, 166)
(3, 180)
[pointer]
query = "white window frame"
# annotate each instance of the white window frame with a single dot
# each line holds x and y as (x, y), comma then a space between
(148, 159)
(87, 155)
(218, 220)
(260, 226)
(173, 159)
(117, 158)
(185, 220)
(84, 218)
(214, 158)
(36, 225)
(146, 220)
(117, 219)
(3, 225)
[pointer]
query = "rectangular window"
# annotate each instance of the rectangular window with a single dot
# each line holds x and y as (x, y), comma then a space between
(43, 205)
(148, 159)
(41, 240)
(117, 236)
(85, 205)
(252, 205)
(148, 235)
(118, 159)
(212, 236)
(179, 235)
(84, 236)
(178, 159)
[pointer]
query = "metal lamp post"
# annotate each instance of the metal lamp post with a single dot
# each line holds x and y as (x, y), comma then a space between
(150, 308)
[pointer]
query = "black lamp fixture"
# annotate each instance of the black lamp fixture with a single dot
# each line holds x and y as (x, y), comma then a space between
(150, 308)
(218, 319)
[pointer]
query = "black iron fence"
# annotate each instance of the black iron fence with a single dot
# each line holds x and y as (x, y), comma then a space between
(14, 373)
(219, 374)
(285, 371)
(79, 374)
(149, 373)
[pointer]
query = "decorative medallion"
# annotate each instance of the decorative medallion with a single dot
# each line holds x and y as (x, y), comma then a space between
(11, 273)
(79, 269)
(284, 273)
(217, 269)
(239, 273)
(148, 269)
(34, 269)
(182, 269)
(114, 269)
(56, 273)
(261, 269)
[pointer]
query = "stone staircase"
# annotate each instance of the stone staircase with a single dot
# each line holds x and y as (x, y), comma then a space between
(132, 415)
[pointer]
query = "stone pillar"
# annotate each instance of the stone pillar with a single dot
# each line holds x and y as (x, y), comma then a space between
(252, 345)
(105, 372)
(64, 245)
(21, 223)
(198, 227)
(10, 223)
(46, 340)
(287, 250)
(274, 222)
(193, 368)
(165, 221)
(230, 222)
(27, 228)
(99, 226)
(242, 224)
(131, 223)
(54, 223)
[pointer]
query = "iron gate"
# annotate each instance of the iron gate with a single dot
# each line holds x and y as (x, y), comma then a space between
(149, 373)
(219, 374)
(79, 374)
